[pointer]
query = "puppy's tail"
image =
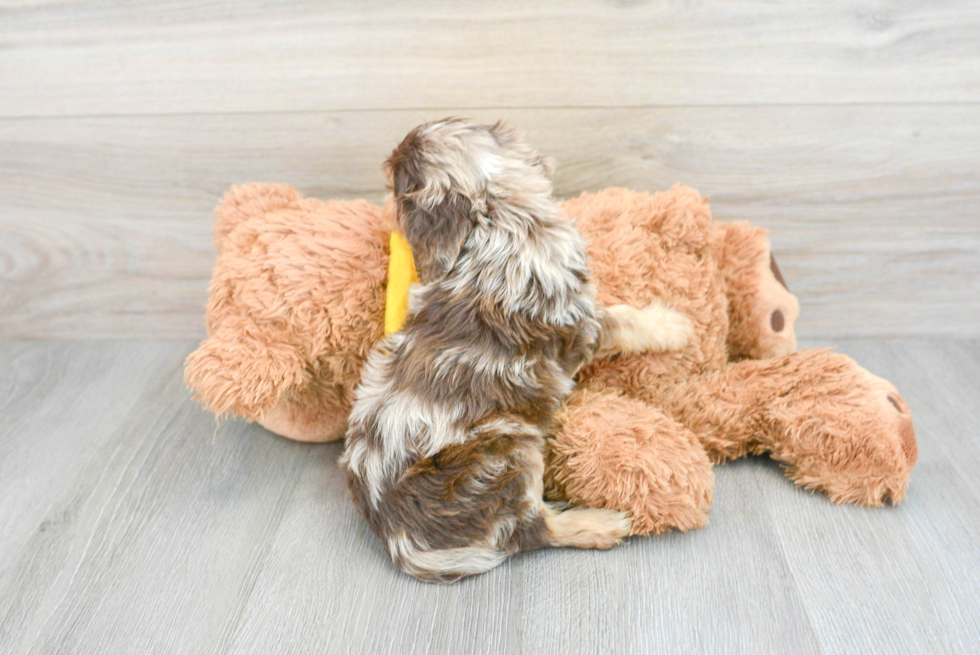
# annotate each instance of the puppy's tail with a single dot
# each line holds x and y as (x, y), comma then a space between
(446, 565)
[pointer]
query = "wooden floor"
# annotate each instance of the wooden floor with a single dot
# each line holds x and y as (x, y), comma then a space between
(131, 523)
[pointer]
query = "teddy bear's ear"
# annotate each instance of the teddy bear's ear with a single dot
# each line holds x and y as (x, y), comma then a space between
(774, 267)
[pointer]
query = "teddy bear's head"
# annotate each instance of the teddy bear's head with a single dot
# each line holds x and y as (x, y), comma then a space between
(643, 247)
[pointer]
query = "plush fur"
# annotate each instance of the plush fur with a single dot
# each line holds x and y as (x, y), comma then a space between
(444, 449)
(640, 433)
(295, 307)
(739, 387)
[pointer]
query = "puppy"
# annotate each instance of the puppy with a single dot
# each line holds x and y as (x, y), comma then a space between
(444, 444)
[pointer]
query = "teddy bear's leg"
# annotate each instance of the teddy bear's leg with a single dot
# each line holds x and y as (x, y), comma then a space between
(245, 371)
(835, 426)
(316, 415)
(620, 453)
(263, 376)
(761, 311)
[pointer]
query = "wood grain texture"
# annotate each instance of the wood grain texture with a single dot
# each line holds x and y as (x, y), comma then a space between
(63, 404)
(147, 530)
(104, 58)
(874, 211)
(668, 591)
(150, 544)
(60, 382)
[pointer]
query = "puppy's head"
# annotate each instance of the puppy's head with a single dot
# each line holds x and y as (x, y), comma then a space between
(443, 176)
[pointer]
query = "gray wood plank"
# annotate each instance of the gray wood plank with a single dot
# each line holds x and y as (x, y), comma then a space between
(873, 211)
(152, 544)
(327, 586)
(905, 579)
(62, 405)
(46, 387)
(695, 592)
(78, 58)
(158, 532)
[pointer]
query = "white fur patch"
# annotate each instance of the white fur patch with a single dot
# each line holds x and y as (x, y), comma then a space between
(457, 360)
(408, 429)
(587, 527)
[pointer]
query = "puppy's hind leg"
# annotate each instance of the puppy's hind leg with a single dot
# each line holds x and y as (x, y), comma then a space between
(585, 527)
(657, 328)
(576, 528)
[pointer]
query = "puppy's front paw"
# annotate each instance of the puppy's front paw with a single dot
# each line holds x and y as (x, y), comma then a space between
(661, 328)
(656, 328)
(611, 528)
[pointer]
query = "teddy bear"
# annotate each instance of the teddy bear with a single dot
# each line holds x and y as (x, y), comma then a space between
(298, 297)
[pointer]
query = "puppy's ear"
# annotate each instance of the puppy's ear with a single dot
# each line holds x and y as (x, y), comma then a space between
(436, 235)
(508, 137)
(436, 220)
(547, 164)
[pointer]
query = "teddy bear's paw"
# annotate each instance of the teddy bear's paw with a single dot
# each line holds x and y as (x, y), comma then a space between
(856, 443)
(316, 417)
(880, 471)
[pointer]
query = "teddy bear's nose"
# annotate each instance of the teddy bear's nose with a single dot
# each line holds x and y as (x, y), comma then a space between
(777, 320)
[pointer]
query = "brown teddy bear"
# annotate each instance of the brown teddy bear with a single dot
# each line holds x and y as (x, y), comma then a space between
(298, 300)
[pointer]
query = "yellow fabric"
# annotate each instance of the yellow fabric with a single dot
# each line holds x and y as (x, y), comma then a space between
(401, 274)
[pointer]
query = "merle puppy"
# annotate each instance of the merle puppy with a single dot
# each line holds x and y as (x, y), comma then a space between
(444, 445)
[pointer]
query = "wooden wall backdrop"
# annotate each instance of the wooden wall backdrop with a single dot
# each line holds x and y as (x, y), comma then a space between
(849, 128)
